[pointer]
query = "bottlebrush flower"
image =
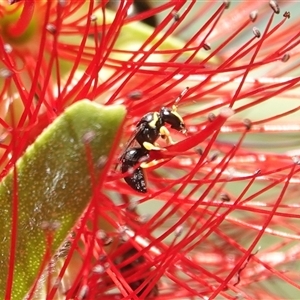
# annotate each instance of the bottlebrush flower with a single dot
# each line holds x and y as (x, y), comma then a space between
(220, 217)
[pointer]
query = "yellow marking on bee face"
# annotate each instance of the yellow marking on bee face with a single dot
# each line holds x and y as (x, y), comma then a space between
(152, 124)
(178, 116)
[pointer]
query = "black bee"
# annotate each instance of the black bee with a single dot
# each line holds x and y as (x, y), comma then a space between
(129, 159)
(151, 127)
(148, 130)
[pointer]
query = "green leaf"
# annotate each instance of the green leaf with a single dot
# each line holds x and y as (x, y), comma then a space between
(53, 187)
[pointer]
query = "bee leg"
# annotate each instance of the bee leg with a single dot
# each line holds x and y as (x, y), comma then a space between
(165, 134)
(148, 146)
(151, 163)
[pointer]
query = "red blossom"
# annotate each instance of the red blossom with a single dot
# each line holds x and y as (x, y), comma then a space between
(220, 218)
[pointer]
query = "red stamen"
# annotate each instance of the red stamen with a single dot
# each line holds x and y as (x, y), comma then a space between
(23, 22)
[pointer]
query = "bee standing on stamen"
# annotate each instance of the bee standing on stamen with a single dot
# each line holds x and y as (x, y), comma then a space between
(148, 130)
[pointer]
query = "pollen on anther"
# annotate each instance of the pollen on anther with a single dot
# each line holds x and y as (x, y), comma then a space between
(296, 160)
(258, 171)
(51, 28)
(227, 112)
(99, 269)
(101, 234)
(123, 233)
(225, 197)
(7, 48)
(175, 16)
(211, 117)
(214, 156)
(274, 5)
(178, 231)
(253, 15)
(135, 95)
(285, 57)
(206, 46)
(93, 18)
(247, 123)
(227, 4)
(199, 150)
(256, 32)
(5, 73)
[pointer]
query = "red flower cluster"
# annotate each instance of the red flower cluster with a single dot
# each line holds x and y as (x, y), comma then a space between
(220, 218)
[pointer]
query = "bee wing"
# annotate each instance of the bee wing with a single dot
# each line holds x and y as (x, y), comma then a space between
(131, 141)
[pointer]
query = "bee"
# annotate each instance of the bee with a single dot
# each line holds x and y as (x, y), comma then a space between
(148, 130)
(130, 158)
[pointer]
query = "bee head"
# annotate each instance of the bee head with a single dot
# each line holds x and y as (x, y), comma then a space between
(171, 117)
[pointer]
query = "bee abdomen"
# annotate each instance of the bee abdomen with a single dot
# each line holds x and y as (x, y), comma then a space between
(136, 178)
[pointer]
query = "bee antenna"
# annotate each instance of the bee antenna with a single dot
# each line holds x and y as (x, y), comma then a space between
(181, 96)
